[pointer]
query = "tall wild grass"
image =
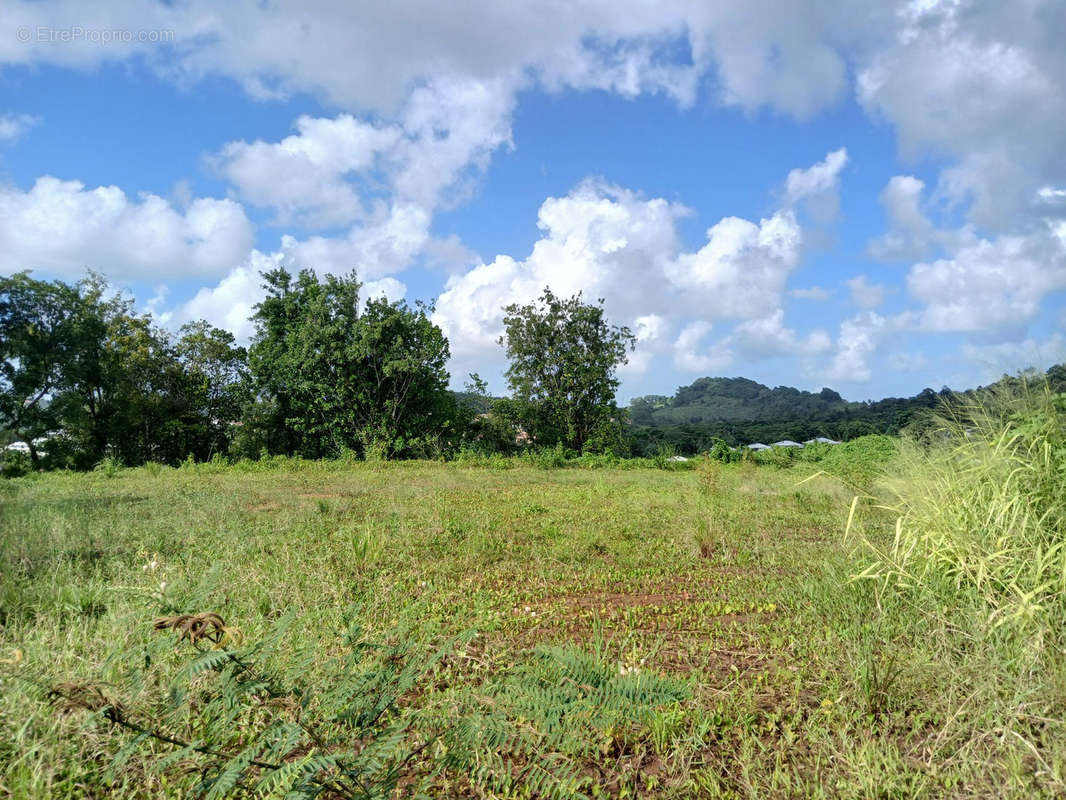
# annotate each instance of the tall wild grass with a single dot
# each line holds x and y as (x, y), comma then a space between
(981, 513)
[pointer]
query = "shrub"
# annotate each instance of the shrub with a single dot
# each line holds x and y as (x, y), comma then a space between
(154, 469)
(816, 452)
(779, 457)
(110, 467)
(721, 451)
(861, 460)
(14, 464)
(664, 457)
(473, 457)
(547, 457)
(596, 461)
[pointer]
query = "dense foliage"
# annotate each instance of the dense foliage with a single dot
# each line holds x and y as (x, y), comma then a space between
(564, 355)
(38, 323)
(85, 377)
(982, 515)
(331, 379)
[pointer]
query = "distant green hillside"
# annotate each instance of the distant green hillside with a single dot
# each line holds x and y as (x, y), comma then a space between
(730, 399)
(742, 411)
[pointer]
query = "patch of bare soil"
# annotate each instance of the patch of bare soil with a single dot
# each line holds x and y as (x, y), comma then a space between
(615, 600)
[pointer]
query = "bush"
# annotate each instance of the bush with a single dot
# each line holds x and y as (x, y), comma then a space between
(596, 461)
(110, 467)
(664, 457)
(779, 457)
(816, 452)
(721, 451)
(547, 458)
(14, 464)
(154, 469)
(474, 457)
(861, 461)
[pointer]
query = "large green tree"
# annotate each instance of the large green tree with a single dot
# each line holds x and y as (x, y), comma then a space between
(37, 336)
(303, 328)
(405, 407)
(220, 381)
(79, 362)
(331, 378)
(125, 393)
(564, 357)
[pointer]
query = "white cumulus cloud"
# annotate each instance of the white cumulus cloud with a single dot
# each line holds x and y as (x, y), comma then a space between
(304, 175)
(692, 354)
(981, 83)
(64, 228)
(742, 270)
(987, 285)
(859, 339)
(817, 187)
(322, 175)
(610, 242)
(600, 239)
(1010, 357)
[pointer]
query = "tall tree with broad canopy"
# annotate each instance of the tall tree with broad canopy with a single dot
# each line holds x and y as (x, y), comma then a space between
(77, 361)
(220, 380)
(564, 356)
(124, 392)
(332, 379)
(37, 326)
(406, 408)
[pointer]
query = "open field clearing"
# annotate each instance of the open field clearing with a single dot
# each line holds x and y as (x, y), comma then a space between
(644, 633)
(532, 400)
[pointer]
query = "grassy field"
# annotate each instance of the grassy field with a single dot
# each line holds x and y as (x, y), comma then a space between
(712, 609)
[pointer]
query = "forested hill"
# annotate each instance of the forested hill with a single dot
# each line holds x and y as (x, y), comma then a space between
(734, 399)
(742, 411)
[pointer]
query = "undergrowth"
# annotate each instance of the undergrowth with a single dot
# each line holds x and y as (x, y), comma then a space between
(660, 628)
(263, 720)
(974, 564)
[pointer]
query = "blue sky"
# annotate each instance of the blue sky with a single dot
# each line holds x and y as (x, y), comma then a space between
(876, 204)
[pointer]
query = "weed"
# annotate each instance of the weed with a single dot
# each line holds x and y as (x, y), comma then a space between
(154, 469)
(109, 467)
(878, 680)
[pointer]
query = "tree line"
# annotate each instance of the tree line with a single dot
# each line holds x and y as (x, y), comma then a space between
(84, 377)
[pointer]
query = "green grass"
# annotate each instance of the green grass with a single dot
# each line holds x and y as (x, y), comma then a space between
(722, 593)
